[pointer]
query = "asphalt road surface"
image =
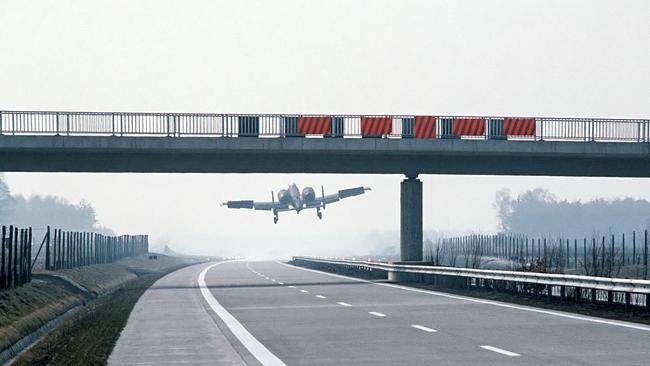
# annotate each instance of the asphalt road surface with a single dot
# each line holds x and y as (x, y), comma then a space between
(273, 314)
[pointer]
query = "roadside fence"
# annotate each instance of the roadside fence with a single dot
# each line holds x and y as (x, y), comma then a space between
(61, 250)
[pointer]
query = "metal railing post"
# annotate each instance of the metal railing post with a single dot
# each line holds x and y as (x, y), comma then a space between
(67, 124)
(56, 122)
(112, 124)
(168, 126)
(1, 127)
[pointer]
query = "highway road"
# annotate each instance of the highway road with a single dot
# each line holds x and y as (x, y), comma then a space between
(272, 313)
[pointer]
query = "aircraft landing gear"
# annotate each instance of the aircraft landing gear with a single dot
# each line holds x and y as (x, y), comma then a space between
(319, 214)
(275, 220)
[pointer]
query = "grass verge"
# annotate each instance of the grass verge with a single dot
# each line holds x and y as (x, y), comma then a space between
(88, 337)
(26, 308)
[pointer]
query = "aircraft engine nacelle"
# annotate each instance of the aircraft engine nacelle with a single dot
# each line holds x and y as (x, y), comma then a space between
(308, 194)
(283, 197)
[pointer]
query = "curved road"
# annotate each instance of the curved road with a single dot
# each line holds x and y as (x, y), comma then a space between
(271, 313)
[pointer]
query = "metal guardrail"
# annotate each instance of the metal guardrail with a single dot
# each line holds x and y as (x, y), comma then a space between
(586, 282)
(291, 125)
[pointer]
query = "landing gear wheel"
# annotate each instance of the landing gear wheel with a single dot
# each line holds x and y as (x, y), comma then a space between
(320, 215)
(275, 220)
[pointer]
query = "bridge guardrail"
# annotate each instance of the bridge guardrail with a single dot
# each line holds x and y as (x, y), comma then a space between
(301, 125)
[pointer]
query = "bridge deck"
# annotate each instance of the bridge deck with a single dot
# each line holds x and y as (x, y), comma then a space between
(322, 155)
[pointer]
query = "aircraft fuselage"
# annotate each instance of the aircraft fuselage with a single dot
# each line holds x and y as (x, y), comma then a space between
(296, 198)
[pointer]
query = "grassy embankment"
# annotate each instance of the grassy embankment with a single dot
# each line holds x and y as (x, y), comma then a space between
(88, 336)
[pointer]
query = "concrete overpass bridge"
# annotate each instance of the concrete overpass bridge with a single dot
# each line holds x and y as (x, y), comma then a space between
(400, 144)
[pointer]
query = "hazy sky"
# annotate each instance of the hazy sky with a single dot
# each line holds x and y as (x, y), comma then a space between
(541, 58)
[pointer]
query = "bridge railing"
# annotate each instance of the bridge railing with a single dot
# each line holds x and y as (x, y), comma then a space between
(631, 292)
(353, 126)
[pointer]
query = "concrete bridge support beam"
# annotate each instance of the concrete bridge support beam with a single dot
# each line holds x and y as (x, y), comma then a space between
(411, 219)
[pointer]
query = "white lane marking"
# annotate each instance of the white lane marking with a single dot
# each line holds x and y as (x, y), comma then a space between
(321, 297)
(274, 280)
(292, 286)
(377, 314)
(257, 349)
(487, 302)
(343, 304)
(280, 283)
(501, 351)
(304, 291)
(421, 327)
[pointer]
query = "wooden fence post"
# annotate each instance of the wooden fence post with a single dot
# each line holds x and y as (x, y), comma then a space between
(29, 255)
(623, 251)
(10, 267)
(645, 257)
(3, 276)
(15, 275)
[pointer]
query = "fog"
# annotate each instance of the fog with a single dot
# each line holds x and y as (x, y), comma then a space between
(403, 57)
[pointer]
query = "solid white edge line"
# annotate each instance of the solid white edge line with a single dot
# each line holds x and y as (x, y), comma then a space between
(257, 349)
(501, 351)
(377, 314)
(421, 327)
(343, 304)
(488, 302)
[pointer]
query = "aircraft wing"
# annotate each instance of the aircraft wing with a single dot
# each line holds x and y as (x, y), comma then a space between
(263, 206)
(331, 198)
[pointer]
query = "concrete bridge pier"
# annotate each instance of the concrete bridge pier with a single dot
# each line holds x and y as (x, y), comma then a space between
(411, 219)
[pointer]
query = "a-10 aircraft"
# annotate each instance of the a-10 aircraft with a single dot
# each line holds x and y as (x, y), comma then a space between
(292, 199)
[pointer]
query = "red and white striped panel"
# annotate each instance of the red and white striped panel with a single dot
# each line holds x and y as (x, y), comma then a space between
(425, 127)
(376, 126)
(513, 126)
(315, 125)
(469, 126)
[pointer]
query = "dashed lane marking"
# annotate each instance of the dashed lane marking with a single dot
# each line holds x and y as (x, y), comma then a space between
(501, 351)
(421, 327)
(377, 314)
